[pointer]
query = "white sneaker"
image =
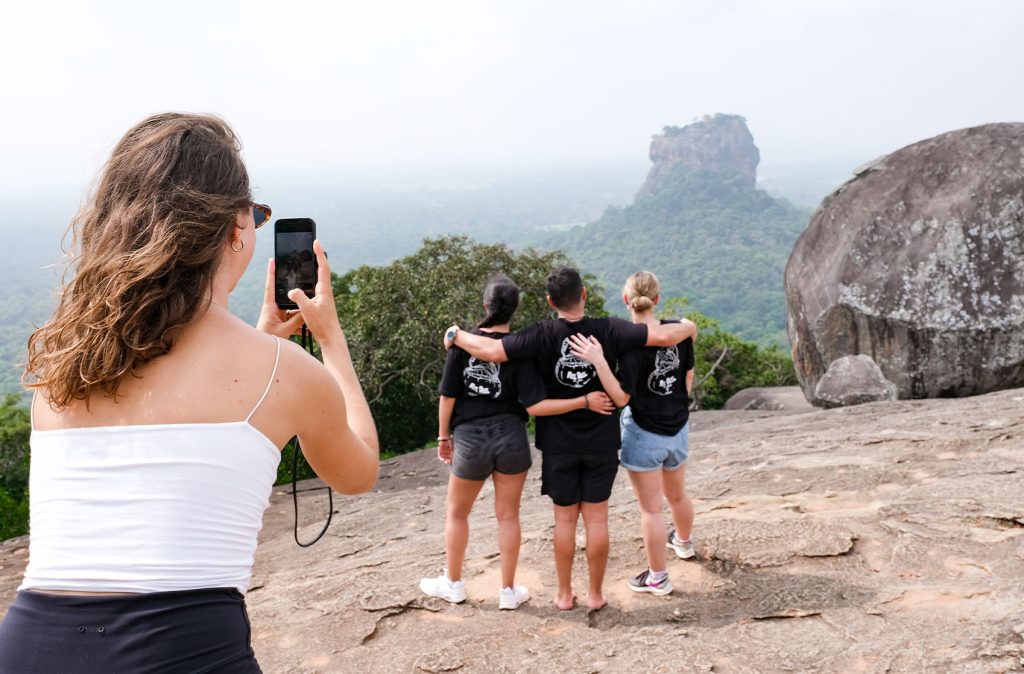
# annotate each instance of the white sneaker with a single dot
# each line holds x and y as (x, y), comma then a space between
(511, 597)
(683, 549)
(443, 588)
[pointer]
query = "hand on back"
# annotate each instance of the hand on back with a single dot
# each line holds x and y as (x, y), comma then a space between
(599, 402)
(587, 348)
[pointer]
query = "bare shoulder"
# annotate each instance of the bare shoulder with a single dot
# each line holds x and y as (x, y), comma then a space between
(301, 378)
(297, 364)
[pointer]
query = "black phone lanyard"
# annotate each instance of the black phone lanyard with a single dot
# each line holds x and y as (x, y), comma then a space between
(307, 344)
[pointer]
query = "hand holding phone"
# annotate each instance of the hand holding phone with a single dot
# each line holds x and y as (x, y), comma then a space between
(294, 260)
(319, 312)
(273, 319)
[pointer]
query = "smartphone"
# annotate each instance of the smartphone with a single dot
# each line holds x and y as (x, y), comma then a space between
(294, 261)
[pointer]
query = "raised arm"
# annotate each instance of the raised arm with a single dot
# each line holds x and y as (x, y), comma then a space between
(482, 348)
(670, 334)
(334, 423)
(589, 349)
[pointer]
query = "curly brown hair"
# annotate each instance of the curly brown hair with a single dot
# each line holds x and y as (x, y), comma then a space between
(144, 252)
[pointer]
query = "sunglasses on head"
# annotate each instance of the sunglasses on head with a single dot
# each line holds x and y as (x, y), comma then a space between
(260, 214)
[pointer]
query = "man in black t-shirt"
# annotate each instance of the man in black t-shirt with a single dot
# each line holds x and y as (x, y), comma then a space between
(579, 449)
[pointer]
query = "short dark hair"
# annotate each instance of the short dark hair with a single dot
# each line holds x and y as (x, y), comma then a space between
(565, 287)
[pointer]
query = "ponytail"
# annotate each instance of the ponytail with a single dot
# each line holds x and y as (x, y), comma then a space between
(502, 299)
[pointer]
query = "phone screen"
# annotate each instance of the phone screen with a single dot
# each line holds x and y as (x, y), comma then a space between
(294, 261)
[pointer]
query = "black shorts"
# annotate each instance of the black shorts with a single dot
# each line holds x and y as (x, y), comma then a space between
(571, 478)
(186, 631)
(488, 444)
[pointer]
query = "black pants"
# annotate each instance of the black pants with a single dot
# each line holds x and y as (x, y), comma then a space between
(187, 631)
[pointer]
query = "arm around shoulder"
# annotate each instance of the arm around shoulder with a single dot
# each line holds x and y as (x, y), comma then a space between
(670, 334)
(483, 348)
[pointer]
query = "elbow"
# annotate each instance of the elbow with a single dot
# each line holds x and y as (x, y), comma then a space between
(365, 481)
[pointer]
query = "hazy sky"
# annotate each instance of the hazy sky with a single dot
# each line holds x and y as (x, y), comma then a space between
(313, 86)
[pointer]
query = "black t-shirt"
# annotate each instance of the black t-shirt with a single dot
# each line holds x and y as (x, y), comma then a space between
(482, 389)
(655, 378)
(565, 376)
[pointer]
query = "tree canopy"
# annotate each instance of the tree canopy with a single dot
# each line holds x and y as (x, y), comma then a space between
(707, 236)
(395, 315)
(15, 428)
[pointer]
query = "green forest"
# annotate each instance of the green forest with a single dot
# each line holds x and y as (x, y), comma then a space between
(394, 316)
(707, 236)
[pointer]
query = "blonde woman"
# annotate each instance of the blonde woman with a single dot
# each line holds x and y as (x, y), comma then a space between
(159, 416)
(655, 383)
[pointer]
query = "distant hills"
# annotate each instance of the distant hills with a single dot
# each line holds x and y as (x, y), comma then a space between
(702, 226)
(698, 222)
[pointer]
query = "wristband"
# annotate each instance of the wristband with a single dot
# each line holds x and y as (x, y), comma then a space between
(586, 402)
(440, 439)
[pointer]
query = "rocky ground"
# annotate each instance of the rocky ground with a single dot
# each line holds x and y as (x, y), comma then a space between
(887, 537)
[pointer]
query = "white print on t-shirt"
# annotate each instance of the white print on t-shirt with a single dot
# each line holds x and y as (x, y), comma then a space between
(666, 371)
(572, 371)
(482, 378)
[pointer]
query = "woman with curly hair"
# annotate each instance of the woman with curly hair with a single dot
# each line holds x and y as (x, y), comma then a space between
(158, 417)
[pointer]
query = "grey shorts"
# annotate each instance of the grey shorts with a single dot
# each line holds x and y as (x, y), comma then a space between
(495, 443)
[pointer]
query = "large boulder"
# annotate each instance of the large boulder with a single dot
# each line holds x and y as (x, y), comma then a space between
(853, 380)
(918, 262)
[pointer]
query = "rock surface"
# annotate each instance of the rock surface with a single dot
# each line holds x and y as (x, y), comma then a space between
(918, 262)
(718, 143)
(887, 537)
(775, 398)
(853, 380)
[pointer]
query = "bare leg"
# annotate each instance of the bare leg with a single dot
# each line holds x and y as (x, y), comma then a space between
(507, 492)
(461, 495)
(595, 519)
(674, 484)
(565, 551)
(647, 488)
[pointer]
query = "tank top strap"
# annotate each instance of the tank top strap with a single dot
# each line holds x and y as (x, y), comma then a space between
(273, 373)
(32, 410)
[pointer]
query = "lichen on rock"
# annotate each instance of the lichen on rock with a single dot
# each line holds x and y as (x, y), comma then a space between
(918, 263)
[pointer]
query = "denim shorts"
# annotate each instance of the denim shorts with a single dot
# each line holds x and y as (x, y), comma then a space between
(643, 451)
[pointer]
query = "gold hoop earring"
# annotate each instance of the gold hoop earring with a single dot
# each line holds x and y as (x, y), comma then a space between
(240, 242)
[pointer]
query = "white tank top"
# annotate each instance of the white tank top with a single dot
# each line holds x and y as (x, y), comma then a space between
(148, 508)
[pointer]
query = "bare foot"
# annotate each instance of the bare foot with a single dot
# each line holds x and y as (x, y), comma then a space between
(566, 603)
(596, 602)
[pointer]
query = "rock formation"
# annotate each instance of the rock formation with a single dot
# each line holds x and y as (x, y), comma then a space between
(775, 398)
(853, 380)
(886, 537)
(718, 143)
(918, 262)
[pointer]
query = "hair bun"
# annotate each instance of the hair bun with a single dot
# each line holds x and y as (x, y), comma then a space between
(641, 303)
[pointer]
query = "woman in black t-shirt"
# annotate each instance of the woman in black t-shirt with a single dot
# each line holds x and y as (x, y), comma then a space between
(482, 417)
(656, 383)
